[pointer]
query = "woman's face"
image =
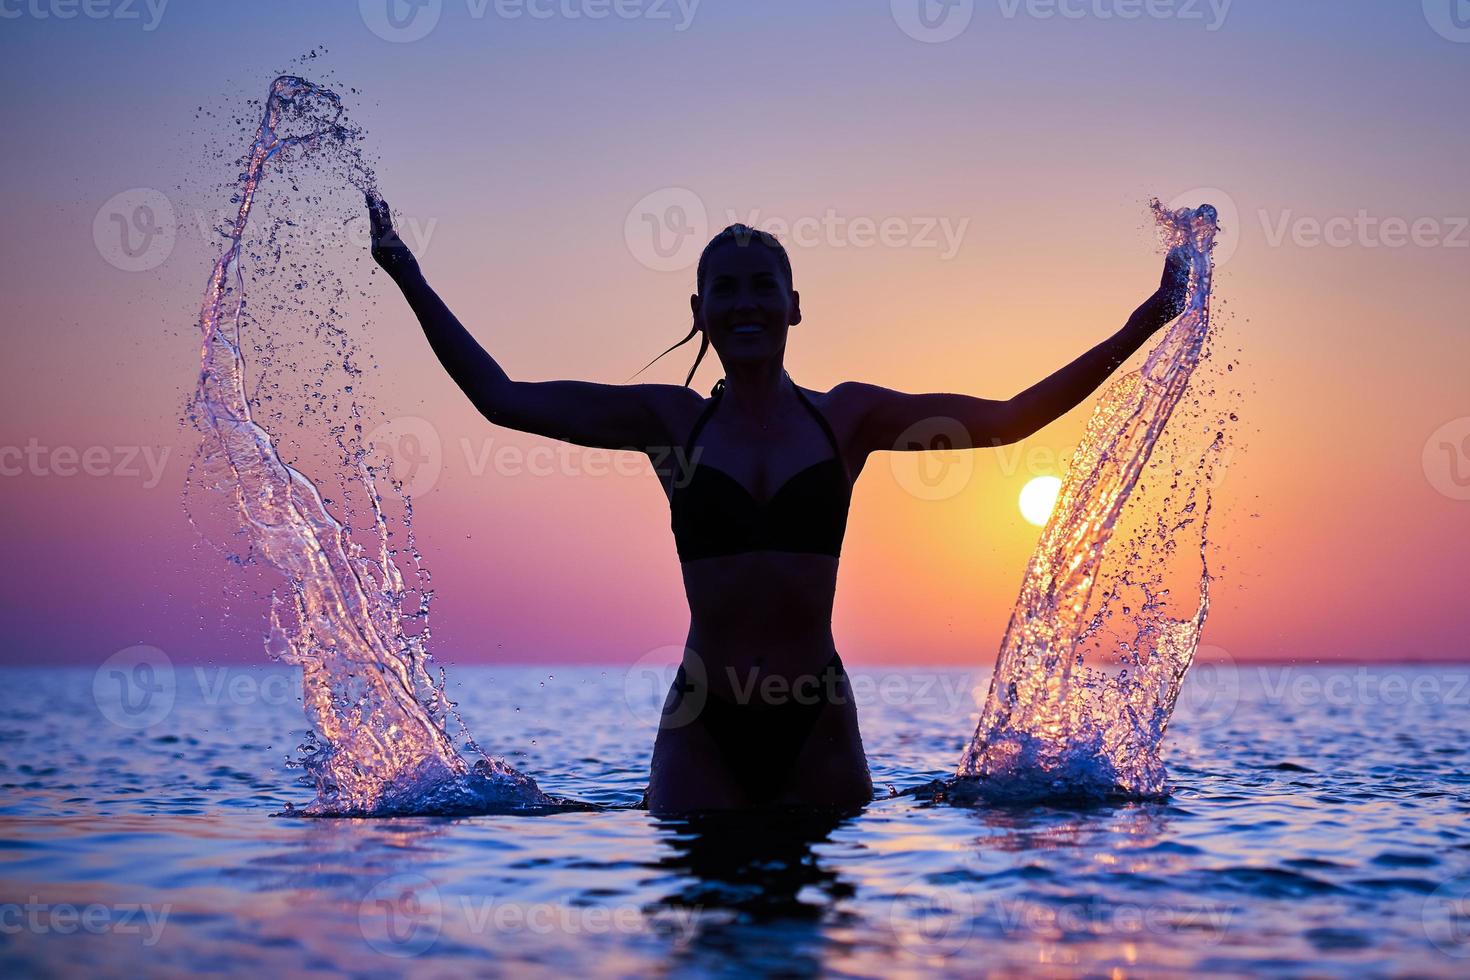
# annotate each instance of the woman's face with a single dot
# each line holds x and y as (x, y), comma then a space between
(747, 304)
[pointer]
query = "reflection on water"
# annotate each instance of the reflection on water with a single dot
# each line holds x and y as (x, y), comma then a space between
(1109, 832)
(754, 876)
(1303, 837)
(759, 865)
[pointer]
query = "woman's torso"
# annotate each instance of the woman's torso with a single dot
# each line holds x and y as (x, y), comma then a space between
(759, 519)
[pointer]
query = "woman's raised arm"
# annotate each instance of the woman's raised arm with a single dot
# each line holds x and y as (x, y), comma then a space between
(884, 416)
(605, 416)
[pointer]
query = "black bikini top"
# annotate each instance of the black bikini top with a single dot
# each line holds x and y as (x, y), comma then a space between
(713, 514)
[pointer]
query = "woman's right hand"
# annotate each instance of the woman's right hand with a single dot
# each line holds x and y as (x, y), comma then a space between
(388, 249)
(1173, 291)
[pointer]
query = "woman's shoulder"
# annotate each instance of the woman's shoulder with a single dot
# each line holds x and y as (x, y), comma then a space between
(846, 399)
(677, 408)
(843, 406)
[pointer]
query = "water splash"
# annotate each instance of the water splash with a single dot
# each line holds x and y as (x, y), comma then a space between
(1097, 646)
(380, 741)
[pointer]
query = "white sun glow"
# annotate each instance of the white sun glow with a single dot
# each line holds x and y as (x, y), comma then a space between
(1038, 497)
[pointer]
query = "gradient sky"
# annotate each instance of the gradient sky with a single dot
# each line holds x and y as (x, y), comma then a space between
(528, 141)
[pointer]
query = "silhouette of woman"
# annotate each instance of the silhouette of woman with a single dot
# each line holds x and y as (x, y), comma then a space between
(759, 479)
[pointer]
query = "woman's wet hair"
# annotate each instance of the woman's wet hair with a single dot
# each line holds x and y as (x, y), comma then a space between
(741, 235)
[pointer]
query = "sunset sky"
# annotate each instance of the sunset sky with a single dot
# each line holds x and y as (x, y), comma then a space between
(1012, 164)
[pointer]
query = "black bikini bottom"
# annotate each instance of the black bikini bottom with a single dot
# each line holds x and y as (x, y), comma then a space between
(760, 740)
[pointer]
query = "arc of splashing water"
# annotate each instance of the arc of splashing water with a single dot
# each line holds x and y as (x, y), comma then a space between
(377, 717)
(1041, 732)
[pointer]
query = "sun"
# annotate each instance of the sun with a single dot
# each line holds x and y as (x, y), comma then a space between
(1038, 497)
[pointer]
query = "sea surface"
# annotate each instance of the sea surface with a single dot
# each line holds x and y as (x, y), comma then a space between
(1319, 825)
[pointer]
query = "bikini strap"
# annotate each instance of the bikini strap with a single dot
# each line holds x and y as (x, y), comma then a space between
(699, 423)
(719, 389)
(822, 421)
